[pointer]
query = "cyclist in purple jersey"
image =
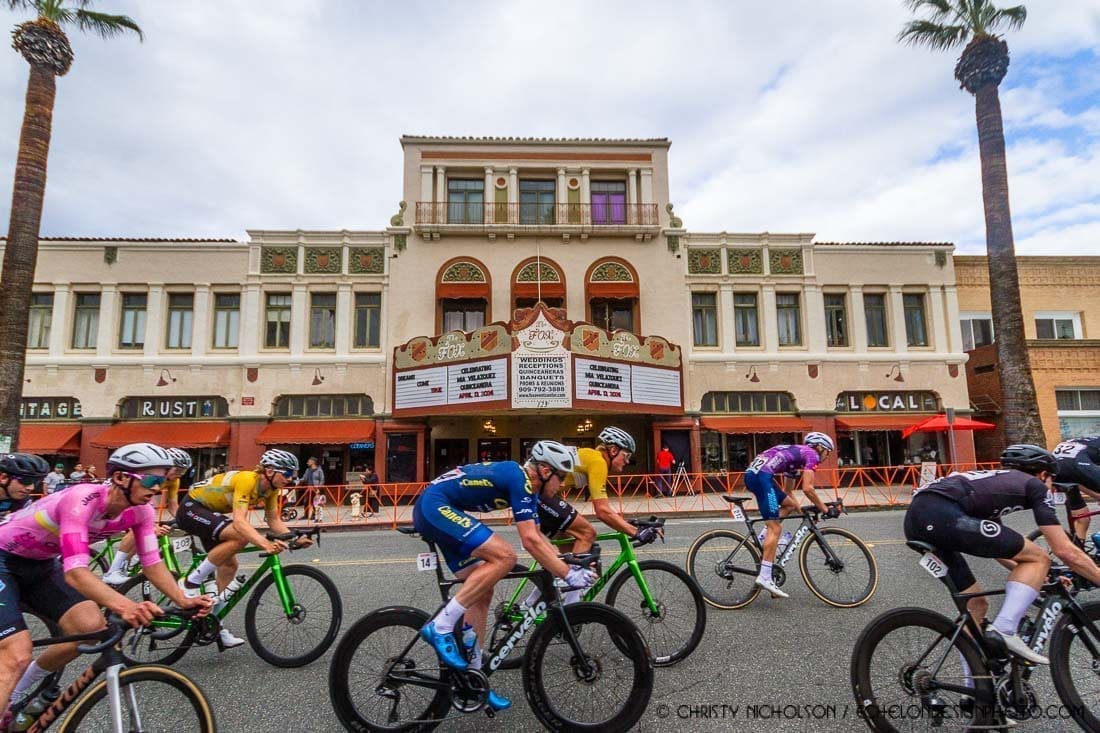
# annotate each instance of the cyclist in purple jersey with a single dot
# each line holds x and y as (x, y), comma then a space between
(773, 502)
(44, 564)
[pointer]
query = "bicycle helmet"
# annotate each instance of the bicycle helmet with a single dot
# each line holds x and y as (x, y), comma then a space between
(181, 459)
(819, 439)
(616, 436)
(280, 460)
(24, 466)
(559, 457)
(1029, 458)
(138, 457)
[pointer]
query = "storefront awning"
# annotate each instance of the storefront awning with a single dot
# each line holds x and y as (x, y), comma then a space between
(316, 432)
(756, 424)
(182, 434)
(49, 438)
(877, 422)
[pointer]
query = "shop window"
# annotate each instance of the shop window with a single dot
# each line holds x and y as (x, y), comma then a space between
(38, 321)
(368, 317)
(465, 201)
(132, 321)
(977, 330)
(536, 202)
(277, 334)
(874, 310)
(704, 319)
(181, 312)
(788, 311)
(86, 321)
(1058, 325)
(836, 320)
(916, 328)
(494, 449)
(324, 406)
(747, 402)
(401, 457)
(227, 320)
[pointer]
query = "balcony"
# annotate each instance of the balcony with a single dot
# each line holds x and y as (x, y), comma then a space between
(581, 220)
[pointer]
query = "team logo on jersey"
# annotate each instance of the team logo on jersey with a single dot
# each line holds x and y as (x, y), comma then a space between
(476, 482)
(455, 517)
(527, 485)
(989, 528)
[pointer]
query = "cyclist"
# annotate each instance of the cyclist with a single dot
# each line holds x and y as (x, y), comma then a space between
(961, 513)
(217, 512)
(44, 560)
(19, 474)
(773, 502)
(1079, 463)
(181, 464)
(474, 553)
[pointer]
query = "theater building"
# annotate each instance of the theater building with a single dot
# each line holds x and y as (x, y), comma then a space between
(525, 289)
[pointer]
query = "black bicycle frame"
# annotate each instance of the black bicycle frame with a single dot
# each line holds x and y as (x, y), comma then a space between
(805, 529)
(109, 657)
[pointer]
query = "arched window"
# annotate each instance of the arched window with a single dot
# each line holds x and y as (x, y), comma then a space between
(611, 292)
(463, 295)
(535, 276)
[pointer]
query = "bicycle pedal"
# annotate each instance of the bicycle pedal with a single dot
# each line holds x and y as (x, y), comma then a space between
(489, 712)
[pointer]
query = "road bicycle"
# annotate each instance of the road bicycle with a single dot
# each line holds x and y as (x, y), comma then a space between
(292, 617)
(1058, 494)
(131, 699)
(907, 667)
(837, 566)
(171, 545)
(587, 666)
(663, 601)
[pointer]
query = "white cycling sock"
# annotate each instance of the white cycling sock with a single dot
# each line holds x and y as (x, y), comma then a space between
(765, 570)
(1018, 598)
(446, 619)
(30, 678)
(201, 573)
(119, 563)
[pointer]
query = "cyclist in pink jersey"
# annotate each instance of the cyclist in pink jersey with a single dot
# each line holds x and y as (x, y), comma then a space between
(44, 560)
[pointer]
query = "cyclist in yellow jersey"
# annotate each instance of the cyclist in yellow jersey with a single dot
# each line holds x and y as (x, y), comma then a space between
(169, 504)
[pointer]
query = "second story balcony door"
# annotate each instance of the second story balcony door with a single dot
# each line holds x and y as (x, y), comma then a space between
(536, 202)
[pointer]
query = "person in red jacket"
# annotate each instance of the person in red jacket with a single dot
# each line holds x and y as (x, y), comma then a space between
(665, 461)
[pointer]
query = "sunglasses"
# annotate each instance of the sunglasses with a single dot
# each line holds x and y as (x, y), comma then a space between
(147, 481)
(288, 474)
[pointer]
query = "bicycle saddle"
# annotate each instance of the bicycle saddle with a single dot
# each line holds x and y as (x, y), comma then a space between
(921, 547)
(1063, 487)
(736, 499)
(409, 530)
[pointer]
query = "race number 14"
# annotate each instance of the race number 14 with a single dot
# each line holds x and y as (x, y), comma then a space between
(426, 561)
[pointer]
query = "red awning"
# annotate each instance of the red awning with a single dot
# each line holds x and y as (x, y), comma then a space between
(297, 432)
(49, 438)
(855, 423)
(756, 424)
(938, 424)
(180, 434)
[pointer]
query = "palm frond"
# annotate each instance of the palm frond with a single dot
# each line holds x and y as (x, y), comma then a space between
(934, 35)
(21, 4)
(938, 9)
(1013, 18)
(105, 25)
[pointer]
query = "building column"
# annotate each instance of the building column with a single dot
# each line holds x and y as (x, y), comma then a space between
(154, 319)
(59, 319)
(769, 319)
(200, 320)
(586, 196)
(938, 317)
(631, 194)
(108, 320)
(645, 194)
(490, 197)
(858, 320)
(345, 316)
(897, 320)
(561, 193)
(513, 188)
(299, 320)
(815, 319)
(252, 320)
(425, 217)
(727, 334)
(954, 326)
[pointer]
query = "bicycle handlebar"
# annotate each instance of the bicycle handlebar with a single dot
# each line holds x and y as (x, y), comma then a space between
(117, 628)
(653, 521)
(291, 536)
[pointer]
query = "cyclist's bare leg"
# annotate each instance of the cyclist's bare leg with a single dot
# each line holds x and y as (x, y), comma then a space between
(475, 595)
(15, 656)
(771, 539)
(583, 534)
(224, 556)
(127, 545)
(82, 618)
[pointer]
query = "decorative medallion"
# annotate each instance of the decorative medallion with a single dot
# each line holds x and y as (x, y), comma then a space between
(367, 260)
(463, 272)
(953, 370)
(704, 261)
(322, 260)
(252, 374)
(502, 182)
(745, 262)
(531, 272)
(279, 260)
(812, 370)
(611, 272)
(574, 184)
(785, 261)
(100, 375)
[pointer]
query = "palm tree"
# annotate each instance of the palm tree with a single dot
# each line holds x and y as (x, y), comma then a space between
(46, 48)
(980, 69)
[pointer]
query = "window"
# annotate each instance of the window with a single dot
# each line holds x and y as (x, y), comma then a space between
(704, 315)
(132, 323)
(733, 402)
(1078, 412)
(181, 311)
(608, 202)
(324, 406)
(322, 321)
(789, 316)
(38, 321)
(836, 320)
(278, 321)
(465, 201)
(536, 202)
(916, 330)
(368, 315)
(463, 314)
(874, 308)
(1058, 325)
(227, 320)
(977, 330)
(86, 321)
(612, 313)
(745, 319)
(1078, 399)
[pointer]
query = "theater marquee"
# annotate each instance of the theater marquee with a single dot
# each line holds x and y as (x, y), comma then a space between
(537, 362)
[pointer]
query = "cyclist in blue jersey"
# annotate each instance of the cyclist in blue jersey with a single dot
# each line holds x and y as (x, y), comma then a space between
(477, 555)
(773, 502)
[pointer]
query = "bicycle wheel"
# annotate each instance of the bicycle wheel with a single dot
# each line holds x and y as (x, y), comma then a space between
(846, 585)
(138, 645)
(503, 614)
(606, 689)
(1075, 667)
(365, 696)
(893, 674)
(164, 699)
(295, 639)
(677, 626)
(725, 563)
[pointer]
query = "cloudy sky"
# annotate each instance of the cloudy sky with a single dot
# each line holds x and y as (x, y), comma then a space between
(794, 116)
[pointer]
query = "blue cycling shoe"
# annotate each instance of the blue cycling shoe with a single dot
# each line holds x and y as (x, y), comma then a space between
(445, 646)
(498, 702)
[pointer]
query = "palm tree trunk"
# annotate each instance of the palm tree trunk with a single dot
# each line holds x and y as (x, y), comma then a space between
(21, 250)
(1021, 410)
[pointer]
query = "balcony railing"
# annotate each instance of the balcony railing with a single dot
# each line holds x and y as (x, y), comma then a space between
(478, 215)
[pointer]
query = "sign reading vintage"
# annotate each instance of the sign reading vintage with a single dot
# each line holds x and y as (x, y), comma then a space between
(887, 402)
(49, 408)
(173, 408)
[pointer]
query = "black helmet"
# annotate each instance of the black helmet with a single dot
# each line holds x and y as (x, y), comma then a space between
(24, 466)
(1029, 459)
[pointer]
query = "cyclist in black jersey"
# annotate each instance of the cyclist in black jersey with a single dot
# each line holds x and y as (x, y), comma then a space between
(1079, 463)
(19, 474)
(961, 514)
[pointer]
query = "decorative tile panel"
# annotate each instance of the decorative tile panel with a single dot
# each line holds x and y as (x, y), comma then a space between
(704, 261)
(463, 272)
(279, 260)
(367, 260)
(611, 272)
(323, 260)
(745, 262)
(530, 273)
(785, 261)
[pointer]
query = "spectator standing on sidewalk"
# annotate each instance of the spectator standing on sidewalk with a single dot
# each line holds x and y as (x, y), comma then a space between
(319, 502)
(312, 478)
(54, 478)
(77, 476)
(665, 462)
(370, 488)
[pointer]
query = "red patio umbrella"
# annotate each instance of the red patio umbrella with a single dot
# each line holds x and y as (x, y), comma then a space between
(938, 424)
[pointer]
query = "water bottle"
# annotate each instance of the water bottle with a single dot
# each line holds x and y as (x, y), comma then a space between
(469, 643)
(782, 540)
(230, 590)
(30, 713)
(1096, 542)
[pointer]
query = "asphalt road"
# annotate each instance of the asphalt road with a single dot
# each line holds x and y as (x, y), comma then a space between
(751, 668)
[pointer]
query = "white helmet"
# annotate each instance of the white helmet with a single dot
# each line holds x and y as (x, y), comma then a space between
(181, 459)
(138, 457)
(616, 436)
(819, 439)
(280, 460)
(559, 457)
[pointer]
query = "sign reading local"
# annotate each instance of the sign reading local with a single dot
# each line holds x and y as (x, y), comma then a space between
(538, 361)
(887, 402)
(173, 408)
(49, 408)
